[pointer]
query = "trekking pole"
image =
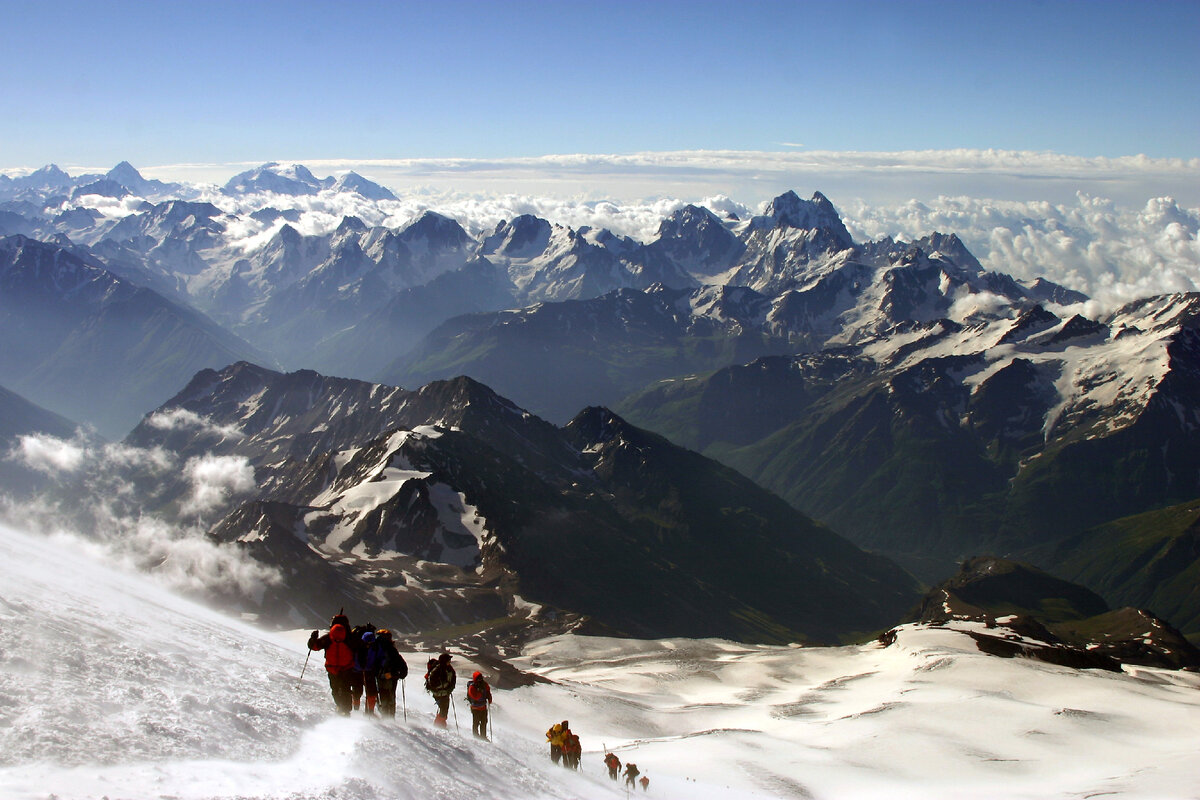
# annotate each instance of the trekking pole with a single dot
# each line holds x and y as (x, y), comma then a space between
(404, 700)
(454, 708)
(306, 658)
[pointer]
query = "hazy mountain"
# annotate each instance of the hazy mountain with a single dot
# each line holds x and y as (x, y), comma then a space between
(555, 357)
(126, 175)
(91, 346)
(309, 289)
(295, 180)
(369, 346)
(947, 439)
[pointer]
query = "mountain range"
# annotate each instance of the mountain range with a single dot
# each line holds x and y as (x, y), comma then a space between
(921, 406)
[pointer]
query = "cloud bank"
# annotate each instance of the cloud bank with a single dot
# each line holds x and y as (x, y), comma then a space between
(1113, 254)
(756, 176)
(114, 491)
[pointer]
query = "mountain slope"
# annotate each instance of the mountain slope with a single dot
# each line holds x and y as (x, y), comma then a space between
(460, 486)
(1150, 560)
(151, 695)
(947, 439)
(93, 347)
(557, 357)
(19, 417)
(1057, 621)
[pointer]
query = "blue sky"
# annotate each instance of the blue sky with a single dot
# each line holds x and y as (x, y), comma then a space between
(165, 83)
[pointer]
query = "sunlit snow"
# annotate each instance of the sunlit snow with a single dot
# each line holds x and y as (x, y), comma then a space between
(114, 687)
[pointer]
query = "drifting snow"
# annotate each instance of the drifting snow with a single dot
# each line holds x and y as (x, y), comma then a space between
(113, 687)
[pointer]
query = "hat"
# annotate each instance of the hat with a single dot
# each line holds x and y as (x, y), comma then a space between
(383, 633)
(368, 637)
(477, 676)
(444, 658)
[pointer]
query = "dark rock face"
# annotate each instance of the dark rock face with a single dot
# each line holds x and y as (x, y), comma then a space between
(453, 503)
(1031, 614)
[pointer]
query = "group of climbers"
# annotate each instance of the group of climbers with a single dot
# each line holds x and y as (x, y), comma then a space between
(566, 749)
(564, 745)
(613, 764)
(361, 660)
(364, 661)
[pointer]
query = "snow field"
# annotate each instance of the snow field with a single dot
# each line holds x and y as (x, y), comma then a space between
(111, 686)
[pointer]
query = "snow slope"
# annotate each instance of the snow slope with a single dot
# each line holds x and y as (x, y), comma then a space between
(111, 686)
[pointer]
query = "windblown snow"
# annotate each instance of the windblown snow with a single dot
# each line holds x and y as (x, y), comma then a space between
(113, 687)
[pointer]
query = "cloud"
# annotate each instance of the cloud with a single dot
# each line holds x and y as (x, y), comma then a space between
(1092, 245)
(214, 480)
(112, 489)
(176, 419)
(50, 455)
(756, 176)
(971, 303)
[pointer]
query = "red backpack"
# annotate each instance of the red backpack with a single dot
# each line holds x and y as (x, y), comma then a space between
(338, 656)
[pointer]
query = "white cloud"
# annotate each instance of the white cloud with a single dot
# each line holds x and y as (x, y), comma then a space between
(109, 517)
(970, 303)
(1092, 245)
(50, 455)
(756, 176)
(175, 419)
(214, 480)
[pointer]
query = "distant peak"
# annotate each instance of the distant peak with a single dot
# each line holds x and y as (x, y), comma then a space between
(351, 223)
(789, 211)
(124, 170)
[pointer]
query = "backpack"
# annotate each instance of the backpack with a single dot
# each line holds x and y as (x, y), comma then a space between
(440, 680)
(479, 694)
(355, 637)
(338, 655)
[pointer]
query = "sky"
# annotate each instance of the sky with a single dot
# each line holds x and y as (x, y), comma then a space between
(493, 88)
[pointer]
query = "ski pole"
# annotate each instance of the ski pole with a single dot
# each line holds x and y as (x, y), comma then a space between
(454, 708)
(306, 658)
(404, 700)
